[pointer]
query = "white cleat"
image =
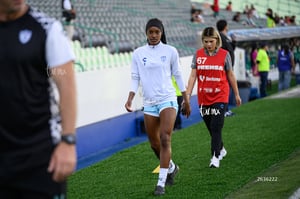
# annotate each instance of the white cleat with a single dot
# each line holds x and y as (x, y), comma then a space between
(214, 162)
(223, 153)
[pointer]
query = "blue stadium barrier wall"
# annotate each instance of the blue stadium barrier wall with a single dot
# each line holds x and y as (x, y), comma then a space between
(98, 136)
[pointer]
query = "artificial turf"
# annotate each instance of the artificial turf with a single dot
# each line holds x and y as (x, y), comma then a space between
(262, 134)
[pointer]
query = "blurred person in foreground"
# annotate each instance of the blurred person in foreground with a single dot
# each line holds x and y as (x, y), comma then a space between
(212, 69)
(37, 131)
(153, 66)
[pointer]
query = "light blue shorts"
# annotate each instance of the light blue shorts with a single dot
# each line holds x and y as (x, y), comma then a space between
(156, 109)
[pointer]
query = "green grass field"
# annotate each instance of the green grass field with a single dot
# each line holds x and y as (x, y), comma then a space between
(259, 139)
(275, 182)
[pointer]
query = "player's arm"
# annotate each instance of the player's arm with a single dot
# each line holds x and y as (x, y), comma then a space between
(135, 79)
(129, 101)
(63, 160)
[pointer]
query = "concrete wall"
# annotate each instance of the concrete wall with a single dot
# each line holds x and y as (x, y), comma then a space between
(102, 94)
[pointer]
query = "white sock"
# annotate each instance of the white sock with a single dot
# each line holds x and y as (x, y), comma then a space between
(163, 172)
(171, 166)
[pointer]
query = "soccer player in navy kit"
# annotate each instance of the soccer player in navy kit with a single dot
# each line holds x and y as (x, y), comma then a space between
(153, 66)
(37, 130)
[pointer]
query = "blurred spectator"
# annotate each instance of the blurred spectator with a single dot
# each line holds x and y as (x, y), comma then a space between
(287, 20)
(295, 48)
(194, 16)
(284, 21)
(276, 19)
(228, 45)
(286, 66)
(68, 14)
(281, 22)
(253, 55)
(263, 63)
(246, 10)
(200, 17)
(270, 18)
(237, 17)
(293, 20)
(254, 11)
(249, 21)
(229, 6)
(193, 9)
(216, 8)
(197, 17)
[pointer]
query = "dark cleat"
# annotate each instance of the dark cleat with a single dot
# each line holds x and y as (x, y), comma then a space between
(159, 190)
(171, 176)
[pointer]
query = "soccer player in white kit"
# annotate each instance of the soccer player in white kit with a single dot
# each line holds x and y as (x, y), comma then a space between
(153, 66)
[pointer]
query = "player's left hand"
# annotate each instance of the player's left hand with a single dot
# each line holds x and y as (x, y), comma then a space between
(63, 161)
(186, 109)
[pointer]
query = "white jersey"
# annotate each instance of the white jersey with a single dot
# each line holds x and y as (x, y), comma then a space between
(153, 67)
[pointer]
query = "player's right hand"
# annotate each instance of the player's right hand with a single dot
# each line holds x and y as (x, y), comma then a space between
(128, 106)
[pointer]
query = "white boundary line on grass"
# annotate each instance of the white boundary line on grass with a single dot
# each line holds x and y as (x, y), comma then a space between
(292, 92)
(296, 194)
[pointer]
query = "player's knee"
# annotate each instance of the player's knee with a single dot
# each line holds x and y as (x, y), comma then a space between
(165, 139)
(155, 146)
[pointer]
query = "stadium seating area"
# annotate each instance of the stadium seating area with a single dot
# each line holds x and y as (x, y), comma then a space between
(96, 58)
(281, 7)
(107, 31)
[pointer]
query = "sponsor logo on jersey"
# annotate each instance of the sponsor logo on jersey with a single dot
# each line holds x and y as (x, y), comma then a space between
(201, 78)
